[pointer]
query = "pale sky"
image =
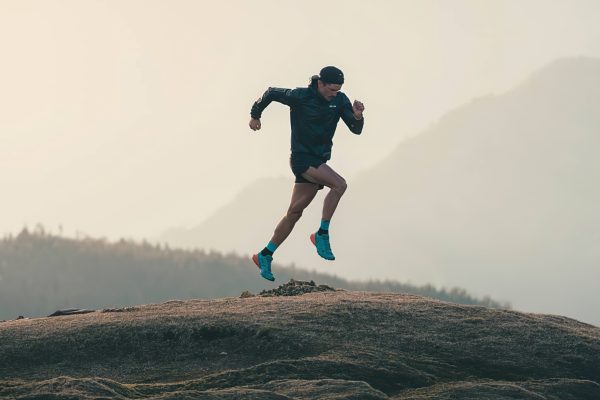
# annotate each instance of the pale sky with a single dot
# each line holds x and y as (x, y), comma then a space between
(125, 118)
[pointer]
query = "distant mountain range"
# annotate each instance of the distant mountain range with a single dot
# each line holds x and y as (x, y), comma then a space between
(499, 196)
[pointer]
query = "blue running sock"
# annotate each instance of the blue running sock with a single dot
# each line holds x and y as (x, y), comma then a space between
(270, 249)
(324, 229)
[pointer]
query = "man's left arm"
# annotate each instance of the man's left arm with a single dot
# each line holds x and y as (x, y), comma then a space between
(352, 114)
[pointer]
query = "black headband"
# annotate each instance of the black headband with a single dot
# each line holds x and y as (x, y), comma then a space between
(332, 75)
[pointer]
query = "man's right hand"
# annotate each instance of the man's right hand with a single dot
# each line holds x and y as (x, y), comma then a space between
(254, 124)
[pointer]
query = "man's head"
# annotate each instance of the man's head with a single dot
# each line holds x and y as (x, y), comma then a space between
(330, 82)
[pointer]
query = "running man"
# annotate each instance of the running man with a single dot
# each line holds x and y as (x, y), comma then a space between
(314, 113)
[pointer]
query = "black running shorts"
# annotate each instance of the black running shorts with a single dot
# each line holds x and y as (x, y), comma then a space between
(299, 163)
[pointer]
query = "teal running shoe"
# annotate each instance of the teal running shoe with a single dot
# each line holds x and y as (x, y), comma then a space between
(323, 247)
(264, 264)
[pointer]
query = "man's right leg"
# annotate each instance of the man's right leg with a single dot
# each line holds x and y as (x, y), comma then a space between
(302, 195)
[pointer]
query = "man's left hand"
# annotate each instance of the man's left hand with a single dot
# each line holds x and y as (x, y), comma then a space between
(357, 109)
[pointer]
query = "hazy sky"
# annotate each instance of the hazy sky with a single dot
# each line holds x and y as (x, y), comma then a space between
(124, 118)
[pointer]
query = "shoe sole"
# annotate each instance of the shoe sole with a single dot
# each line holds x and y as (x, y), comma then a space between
(255, 259)
(314, 242)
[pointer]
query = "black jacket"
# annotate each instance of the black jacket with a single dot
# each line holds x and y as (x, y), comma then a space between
(313, 118)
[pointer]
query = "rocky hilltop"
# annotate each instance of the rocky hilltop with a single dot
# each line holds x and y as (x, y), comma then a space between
(300, 341)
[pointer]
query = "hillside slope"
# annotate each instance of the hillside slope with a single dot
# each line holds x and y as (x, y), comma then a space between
(333, 344)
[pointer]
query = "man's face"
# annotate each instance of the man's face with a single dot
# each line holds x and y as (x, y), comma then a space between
(328, 90)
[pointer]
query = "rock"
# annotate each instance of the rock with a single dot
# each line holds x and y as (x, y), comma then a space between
(124, 309)
(71, 311)
(246, 294)
(296, 288)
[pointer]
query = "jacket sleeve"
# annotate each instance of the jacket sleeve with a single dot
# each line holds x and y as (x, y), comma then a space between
(289, 97)
(355, 125)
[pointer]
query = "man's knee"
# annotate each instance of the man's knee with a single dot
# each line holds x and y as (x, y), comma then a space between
(294, 213)
(340, 187)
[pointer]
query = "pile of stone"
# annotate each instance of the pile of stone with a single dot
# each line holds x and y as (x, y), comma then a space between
(296, 288)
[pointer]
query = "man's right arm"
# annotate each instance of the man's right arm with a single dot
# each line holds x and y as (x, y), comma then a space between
(288, 97)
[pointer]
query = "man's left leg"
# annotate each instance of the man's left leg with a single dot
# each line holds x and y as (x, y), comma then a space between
(325, 175)
(302, 195)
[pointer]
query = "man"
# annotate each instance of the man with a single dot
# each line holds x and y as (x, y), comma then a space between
(314, 114)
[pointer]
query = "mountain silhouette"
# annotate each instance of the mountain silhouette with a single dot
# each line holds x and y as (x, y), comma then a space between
(499, 196)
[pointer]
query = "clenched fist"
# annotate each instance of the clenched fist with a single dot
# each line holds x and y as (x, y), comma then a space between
(254, 124)
(357, 109)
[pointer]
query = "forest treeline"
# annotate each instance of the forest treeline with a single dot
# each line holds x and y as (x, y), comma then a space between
(41, 272)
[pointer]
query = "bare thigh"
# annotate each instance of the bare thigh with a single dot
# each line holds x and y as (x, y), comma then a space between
(324, 175)
(302, 195)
